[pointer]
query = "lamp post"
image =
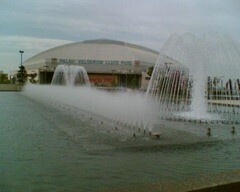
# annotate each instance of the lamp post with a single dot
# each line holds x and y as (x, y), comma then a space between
(21, 52)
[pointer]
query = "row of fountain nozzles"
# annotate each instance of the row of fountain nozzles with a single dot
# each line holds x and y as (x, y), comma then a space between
(233, 131)
(154, 135)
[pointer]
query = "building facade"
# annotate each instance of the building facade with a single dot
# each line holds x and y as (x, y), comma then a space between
(108, 63)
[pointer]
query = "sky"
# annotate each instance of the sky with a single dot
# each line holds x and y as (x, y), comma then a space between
(36, 26)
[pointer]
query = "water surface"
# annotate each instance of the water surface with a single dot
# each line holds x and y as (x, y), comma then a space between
(44, 147)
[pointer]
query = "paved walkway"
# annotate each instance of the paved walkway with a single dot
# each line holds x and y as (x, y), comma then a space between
(227, 181)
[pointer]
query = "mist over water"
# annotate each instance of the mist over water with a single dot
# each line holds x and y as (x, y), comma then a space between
(132, 108)
(71, 87)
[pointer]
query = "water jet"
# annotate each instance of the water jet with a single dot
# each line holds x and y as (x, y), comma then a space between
(189, 82)
(150, 133)
(70, 75)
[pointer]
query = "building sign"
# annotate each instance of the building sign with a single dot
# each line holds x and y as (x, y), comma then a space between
(102, 79)
(93, 61)
(137, 62)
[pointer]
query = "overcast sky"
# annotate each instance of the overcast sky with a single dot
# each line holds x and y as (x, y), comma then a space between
(37, 25)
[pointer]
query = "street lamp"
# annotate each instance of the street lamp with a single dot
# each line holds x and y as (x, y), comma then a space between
(21, 52)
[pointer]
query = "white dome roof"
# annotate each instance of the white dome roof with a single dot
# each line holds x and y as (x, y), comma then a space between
(100, 49)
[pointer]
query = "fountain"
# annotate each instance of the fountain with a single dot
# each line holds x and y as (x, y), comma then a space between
(183, 87)
(70, 75)
(186, 82)
(80, 132)
(127, 110)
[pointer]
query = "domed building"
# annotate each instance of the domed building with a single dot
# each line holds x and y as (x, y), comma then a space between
(107, 62)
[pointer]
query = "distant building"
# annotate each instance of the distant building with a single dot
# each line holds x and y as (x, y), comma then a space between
(107, 62)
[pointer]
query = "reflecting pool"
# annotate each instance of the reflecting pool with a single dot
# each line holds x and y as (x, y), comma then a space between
(57, 148)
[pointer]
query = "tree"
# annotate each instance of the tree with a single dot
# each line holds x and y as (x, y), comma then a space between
(150, 70)
(22, 75)
(4, 79)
